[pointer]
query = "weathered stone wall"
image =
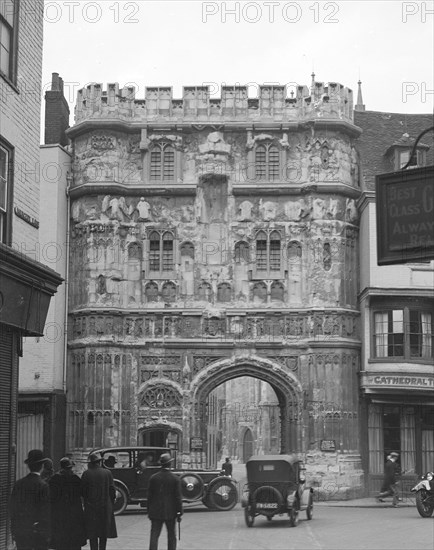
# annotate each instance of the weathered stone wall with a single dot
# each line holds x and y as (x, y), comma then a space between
(147, 346)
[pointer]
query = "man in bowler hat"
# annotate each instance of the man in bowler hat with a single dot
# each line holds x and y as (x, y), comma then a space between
(30, 506)
(164, 503)
(99, 494)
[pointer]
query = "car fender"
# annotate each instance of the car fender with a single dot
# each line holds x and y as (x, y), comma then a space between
(304, 501)
(291, 498)
(124, 487)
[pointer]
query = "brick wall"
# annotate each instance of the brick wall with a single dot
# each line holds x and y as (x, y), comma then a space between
(20, 123)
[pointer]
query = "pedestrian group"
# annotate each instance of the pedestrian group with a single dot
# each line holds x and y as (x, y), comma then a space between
(60, 511)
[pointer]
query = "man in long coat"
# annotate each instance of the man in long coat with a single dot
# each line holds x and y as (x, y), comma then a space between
(99, 494)
(30, 506)
(67, 518)
(164, 503)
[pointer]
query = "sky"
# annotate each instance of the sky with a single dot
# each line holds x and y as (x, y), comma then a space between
(388, 45)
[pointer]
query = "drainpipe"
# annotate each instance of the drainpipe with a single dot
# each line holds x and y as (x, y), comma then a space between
(69, 178)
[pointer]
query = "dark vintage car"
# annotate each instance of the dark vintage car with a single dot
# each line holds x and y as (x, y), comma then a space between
(276, 485)
(132, 468)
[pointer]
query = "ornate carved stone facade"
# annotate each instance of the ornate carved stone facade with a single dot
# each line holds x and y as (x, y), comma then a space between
(205, 247)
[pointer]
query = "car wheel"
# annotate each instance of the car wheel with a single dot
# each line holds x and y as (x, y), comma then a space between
(250, 520)
(191, 487)
(293, 516)
(222, 495)
(309, 509)
(121, 500)
(425, 510)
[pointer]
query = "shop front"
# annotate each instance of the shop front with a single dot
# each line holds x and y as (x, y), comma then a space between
(399, 417)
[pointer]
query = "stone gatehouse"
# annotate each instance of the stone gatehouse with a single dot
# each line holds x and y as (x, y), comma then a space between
(212, 239)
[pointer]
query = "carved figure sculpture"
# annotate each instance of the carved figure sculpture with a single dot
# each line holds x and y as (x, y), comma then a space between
(268, 210)
(245, 211)
(143, 209)
(115, 208)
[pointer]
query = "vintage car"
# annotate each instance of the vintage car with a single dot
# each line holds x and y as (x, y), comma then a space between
(132, 468)
(276, 485)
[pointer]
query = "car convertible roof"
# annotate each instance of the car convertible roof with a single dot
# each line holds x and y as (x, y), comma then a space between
(290, 459)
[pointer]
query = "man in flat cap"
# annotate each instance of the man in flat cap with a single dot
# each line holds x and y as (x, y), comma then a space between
(30, 506)
(391, 475)
(99, 494)
(164, 503)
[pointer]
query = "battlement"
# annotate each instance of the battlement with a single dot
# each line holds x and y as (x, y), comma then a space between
(331, 100)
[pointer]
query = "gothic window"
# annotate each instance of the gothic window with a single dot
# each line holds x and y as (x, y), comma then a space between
(241, 252)
(277, 292)
(168, 292)
(162, 163)
(204, 292)
(268, 253)
(224, 292)
(161, 397)
(161, 251)
(267, 162)
(151, 292)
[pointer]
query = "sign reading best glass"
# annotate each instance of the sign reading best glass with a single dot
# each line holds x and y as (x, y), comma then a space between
(405, 216)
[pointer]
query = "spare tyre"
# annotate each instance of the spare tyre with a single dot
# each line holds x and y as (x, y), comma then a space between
(267, 495)
(191, 487)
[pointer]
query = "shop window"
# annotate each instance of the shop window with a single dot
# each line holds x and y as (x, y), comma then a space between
(162, 162)
(8, 38)
(267, 162)
(405, 333)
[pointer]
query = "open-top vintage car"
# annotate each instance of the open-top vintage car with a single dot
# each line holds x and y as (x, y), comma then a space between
(132, 468)
(276, 485)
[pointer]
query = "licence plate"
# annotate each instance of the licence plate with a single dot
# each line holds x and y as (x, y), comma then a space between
(268, 505)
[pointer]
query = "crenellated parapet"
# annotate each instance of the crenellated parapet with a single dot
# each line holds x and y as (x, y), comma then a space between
(320, 101)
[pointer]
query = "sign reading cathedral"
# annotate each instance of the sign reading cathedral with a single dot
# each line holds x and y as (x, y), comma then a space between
(405, 216)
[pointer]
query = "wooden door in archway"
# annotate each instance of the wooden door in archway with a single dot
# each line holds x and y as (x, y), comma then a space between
(247, 445)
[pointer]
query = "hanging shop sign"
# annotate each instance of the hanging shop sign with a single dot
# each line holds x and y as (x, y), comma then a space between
(405, 216)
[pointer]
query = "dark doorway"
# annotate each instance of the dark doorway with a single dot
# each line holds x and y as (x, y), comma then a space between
(155, 438)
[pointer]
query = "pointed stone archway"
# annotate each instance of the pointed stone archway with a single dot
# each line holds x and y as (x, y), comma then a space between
(286, 385)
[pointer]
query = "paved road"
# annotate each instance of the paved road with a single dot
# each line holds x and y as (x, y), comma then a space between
(330, 529)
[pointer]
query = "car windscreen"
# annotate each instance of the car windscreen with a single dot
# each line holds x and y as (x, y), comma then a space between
(270, 471)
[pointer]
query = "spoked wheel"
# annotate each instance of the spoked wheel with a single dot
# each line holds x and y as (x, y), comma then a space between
(191, 487)
(121, 500)
(425, 509)
(309, 509)
(293, 516)
(223, 495)
(249, 518)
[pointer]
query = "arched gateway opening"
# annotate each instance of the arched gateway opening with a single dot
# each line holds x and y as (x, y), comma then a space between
(285, 384)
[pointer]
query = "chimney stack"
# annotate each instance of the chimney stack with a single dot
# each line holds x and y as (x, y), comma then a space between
(56, 113)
